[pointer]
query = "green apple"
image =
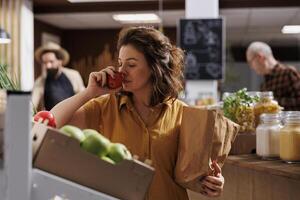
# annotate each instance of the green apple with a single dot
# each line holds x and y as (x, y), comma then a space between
(73, 131)
(95, 143)
(118, 152)
(88, 132)
(107, 159)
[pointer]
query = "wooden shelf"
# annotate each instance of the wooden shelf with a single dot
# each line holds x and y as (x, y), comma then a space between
(274, 167)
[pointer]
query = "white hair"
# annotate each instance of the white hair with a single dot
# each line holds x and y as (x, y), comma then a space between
(259, 47)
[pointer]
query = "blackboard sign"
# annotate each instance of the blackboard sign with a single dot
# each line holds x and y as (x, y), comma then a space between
(202, 40)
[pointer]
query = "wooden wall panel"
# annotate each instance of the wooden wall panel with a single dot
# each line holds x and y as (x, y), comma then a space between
(91, 50)
(40, 28)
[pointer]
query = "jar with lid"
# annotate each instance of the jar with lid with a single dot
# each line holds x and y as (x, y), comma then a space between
(267, 136)
(290, 138)
(266, 104)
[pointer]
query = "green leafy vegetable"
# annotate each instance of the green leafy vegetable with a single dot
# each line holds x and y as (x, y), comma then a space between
(233, 103)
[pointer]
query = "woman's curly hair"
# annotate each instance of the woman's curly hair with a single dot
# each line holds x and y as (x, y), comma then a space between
(165, 60)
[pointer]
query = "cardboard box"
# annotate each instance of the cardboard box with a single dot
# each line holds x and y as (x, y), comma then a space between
(245, 143)
(61, 155)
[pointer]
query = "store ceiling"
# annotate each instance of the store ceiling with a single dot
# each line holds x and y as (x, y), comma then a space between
(246, 20)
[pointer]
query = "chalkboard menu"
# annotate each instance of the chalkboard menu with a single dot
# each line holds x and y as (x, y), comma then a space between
(202, 40)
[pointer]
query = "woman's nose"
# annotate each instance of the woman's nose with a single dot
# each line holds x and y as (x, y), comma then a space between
(122, 69)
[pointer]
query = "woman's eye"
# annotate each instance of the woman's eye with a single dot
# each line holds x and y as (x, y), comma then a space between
(131, 65)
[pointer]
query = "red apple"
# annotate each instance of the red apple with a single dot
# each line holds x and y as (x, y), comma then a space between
(45, 117)
(116, 82)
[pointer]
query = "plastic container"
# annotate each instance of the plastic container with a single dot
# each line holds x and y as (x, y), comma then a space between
(290, 138)
(267, 136)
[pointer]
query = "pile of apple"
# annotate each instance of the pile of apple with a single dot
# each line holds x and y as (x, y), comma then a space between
(92, 141)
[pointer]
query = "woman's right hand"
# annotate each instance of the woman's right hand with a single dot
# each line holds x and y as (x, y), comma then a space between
(97, 81)
(70, 111)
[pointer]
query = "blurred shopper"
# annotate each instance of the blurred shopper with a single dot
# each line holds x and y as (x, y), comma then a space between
(144, 113)
(283, 80)
(56, 82)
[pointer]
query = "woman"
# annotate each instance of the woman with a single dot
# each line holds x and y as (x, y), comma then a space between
(144, 114)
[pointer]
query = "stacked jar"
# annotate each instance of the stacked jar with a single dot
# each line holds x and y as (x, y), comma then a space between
(290, 138)
(266, 104)
(267, 136)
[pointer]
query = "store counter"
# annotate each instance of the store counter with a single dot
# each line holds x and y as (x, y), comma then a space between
(247, 177)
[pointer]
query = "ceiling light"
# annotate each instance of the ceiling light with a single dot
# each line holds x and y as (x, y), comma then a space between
(89, 1)
(4, 37)
(137, 18)
(290, 29)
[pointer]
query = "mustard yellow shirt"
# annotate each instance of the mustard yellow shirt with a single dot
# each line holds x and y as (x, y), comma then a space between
(116, 118)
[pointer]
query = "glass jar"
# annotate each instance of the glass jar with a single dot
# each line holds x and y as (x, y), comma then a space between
(266, 104)
(267, 136)
(290, 138)
(205, 99)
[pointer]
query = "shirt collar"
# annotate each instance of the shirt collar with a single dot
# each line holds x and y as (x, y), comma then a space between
(126, 101)
(275, 68)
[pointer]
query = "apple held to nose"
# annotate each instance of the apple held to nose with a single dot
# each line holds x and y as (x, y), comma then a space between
(116, 82)
(73, 131)
(118, 152)
(95, 143)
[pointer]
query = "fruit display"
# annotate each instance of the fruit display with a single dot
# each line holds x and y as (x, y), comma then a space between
(111, 171)
(45, 117)
(116, 81)
(93, 142)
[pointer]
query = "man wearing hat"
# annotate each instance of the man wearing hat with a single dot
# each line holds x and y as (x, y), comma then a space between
(56, 82)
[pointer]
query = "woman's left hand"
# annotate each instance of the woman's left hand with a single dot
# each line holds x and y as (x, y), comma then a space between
(213, 185)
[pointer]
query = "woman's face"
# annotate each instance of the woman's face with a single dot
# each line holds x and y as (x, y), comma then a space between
(136, 69)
